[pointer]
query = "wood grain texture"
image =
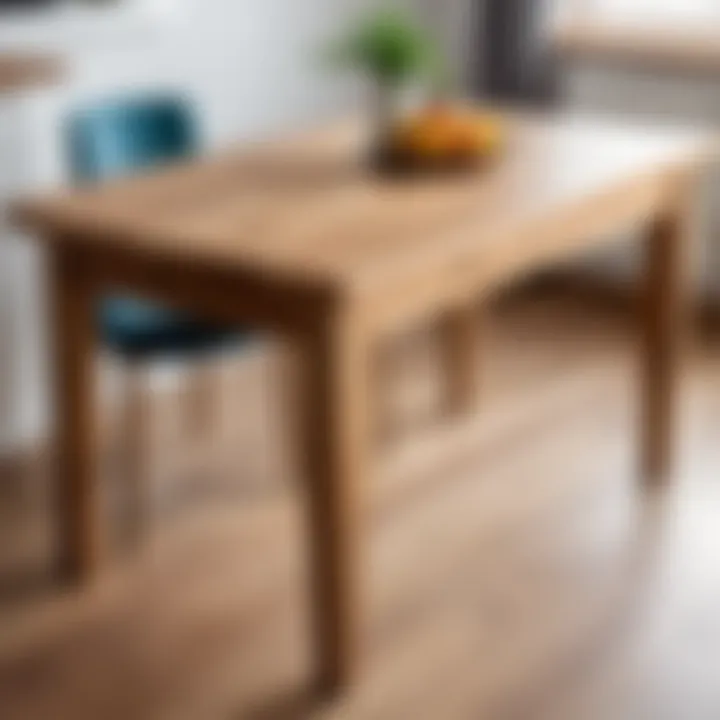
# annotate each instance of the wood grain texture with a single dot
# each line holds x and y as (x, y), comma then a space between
(335, 454)
(79, 539)
(297, 237)
(666, 314)
(460, 347)
(307, 212)
(527, 578)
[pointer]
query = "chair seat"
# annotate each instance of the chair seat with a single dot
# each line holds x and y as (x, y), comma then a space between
(138, 329)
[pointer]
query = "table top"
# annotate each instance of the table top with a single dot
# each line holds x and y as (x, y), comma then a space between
(306, 208)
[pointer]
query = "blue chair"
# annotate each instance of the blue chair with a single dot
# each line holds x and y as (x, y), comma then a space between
(119, 138)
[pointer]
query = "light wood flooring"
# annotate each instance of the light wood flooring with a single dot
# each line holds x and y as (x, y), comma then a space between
(528, 577)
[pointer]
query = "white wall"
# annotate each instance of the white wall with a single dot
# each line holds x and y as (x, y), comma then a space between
(253, 67)
(653, 97)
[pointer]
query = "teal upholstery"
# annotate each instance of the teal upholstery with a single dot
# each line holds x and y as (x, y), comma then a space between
(120, 138)
(123, 137)
(138, 329)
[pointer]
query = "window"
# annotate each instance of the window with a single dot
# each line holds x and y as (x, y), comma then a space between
(654, 12)
(674, 33)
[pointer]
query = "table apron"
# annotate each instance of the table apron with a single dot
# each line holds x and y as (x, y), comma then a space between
(229, 296)
(472, 272)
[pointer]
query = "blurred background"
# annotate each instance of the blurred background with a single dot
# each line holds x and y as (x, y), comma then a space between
(252, 69)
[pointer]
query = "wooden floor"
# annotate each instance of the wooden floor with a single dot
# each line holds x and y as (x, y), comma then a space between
(528, 577)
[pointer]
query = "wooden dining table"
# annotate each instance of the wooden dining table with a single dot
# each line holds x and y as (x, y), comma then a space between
(297, 236)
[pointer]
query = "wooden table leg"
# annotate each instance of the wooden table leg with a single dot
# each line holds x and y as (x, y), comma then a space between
(335, 430)
(664, 316)
(460, 348)
(75, 426)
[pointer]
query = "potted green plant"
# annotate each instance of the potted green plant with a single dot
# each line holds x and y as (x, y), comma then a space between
(393, 52)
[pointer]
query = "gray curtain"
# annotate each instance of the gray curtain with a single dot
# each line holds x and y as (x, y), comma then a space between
(514, 61)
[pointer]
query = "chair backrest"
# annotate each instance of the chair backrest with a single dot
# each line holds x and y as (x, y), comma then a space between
(125, 136)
